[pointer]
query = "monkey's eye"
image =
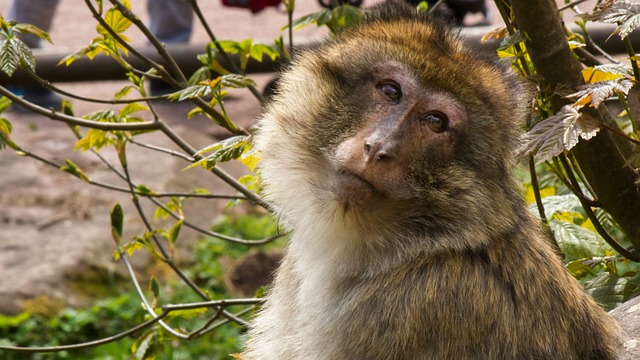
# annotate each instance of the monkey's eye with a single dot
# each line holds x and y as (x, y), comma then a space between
(391, 90)
(436, 121)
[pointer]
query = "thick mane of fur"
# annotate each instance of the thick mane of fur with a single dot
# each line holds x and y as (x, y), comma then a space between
(429, 255)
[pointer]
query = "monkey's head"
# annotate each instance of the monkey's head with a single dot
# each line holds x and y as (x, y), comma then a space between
(392, 121)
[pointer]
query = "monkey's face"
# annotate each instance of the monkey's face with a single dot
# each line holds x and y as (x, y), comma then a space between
(392, 120)
(403, 128)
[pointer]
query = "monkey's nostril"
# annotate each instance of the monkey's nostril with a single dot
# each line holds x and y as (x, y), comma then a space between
(367, 148)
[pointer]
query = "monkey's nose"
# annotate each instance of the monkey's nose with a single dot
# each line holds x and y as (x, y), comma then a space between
(376, 151)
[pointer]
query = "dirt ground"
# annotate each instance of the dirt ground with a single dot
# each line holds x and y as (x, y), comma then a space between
(54, 227)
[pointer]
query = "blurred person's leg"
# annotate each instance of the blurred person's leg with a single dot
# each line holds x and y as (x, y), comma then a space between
(39, 13)
(171, 21)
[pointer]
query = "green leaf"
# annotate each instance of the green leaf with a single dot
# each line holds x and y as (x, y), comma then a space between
(143, 189)
(5, 126)
(154, 286)
(5, 130)
(576, 242)
(117, 220)
(259, 50)
(624, 14)
(115, 20)
(191, 92)
(225, 150)
(202, 74)
(194, 112)
(596, 94)
(552, 136)
(123, 92)
(343, 17)
(5, 102)
(94, 139)
(511, 40)
(132, 108)
(74, 170)
(27, 60)
(9, 59)
(31, 29)
(160, 213)
(67, 109)
(230, 46)
(236, 81)
(142, 344)
(318, 18)
(185, 314)
(610, 290)
(556, 203)
(200, 191)
(578, 268)
(422, 7)
(175, 231)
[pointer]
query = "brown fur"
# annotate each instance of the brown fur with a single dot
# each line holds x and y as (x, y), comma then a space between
(425, 252)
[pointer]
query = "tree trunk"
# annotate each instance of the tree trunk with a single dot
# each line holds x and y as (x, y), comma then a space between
(602, 159)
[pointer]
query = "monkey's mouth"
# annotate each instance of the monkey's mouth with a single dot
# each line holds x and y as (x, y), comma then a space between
(354, 188)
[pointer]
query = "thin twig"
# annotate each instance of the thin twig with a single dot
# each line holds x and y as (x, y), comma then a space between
(89, 344)
(147, 307)
(215, 234)
(71, 120)
(571, 5)
(47, 84)
(127, 46)
(225, 56)
(163, 150)
(536, 189)
(594, 219)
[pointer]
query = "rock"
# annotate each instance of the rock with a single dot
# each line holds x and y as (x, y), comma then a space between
(628, 315)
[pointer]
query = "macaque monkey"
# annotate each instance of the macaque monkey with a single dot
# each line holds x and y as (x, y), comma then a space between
(387, 151)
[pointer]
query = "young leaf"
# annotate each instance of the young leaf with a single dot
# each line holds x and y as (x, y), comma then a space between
(117, 220)
(422, 7)
(33, 30)
(258, 50)
(225, 150)
(175, 231)
(5, 130)
(27, 60)
(74, 170)
(623, 13)
(599, 92)
(191, 92)
(143, 189)
(115, 20)
(313, 18)
(497, 33)
(9, 60)
(123, 92)
(511, 40)
(552, 136)
(556, 203)
(142, 344)
(4, 103)
(609, 290)
(132, 108)
(202, 74)
(236, 81)
(577, 242)
(606, 72)
(154, 286)
(578, 268)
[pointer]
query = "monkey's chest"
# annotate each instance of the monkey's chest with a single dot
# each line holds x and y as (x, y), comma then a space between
(406, 315)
